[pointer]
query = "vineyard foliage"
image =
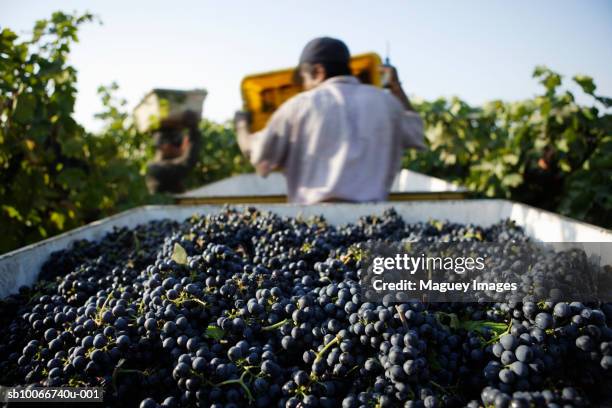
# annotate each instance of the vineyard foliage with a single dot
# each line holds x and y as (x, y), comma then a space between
(548, 151)
(54, 175)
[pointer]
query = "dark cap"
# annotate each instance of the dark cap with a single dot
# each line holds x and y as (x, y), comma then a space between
(325, 50)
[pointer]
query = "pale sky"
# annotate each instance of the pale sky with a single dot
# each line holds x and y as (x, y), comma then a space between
(478, 50)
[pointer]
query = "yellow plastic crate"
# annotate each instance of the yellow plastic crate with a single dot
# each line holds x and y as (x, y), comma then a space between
(263, 93)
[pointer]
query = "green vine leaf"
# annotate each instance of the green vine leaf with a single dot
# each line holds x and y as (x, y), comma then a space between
(214, 332)
(179, 255)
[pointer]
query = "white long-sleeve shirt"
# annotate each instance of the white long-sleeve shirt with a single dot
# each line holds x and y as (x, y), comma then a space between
(342, 140)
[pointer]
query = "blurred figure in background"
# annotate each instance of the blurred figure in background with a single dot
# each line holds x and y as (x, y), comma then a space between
(176, 153)
(340, 140)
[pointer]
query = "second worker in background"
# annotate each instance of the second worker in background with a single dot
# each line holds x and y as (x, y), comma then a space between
(176, 154)
(340, 140)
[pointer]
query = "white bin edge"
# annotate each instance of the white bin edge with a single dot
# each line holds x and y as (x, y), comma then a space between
(21, 267)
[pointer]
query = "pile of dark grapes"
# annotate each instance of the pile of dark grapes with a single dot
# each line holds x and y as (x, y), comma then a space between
(247, 308)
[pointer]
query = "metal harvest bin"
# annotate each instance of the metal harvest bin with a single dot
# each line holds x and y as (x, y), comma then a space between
(251, 188)
(21, 267)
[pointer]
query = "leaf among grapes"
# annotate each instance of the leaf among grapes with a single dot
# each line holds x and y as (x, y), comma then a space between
(179, 255)
(214, 332)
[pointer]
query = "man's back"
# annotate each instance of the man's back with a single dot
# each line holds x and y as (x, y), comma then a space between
(341, 140)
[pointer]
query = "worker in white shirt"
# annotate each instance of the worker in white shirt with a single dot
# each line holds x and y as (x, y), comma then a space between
(340, 140)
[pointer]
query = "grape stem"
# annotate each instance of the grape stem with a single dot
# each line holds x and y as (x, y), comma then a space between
(402, 317)
(321, 353)
(444, 390)
(240, 382)
(275, 325)
(98, 317)
(498, 336)
(194, 299)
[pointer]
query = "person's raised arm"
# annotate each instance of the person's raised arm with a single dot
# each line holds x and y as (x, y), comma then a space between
(395, 86)
(245, 141)
(243, 135)
(266, 149)
(192, 150)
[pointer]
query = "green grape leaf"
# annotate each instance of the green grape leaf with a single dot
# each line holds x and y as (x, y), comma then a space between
(214, 332)
(58, 219)
(24, 109)
(586, 83)
(12, 212)
(512, 180)
(179, 255)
